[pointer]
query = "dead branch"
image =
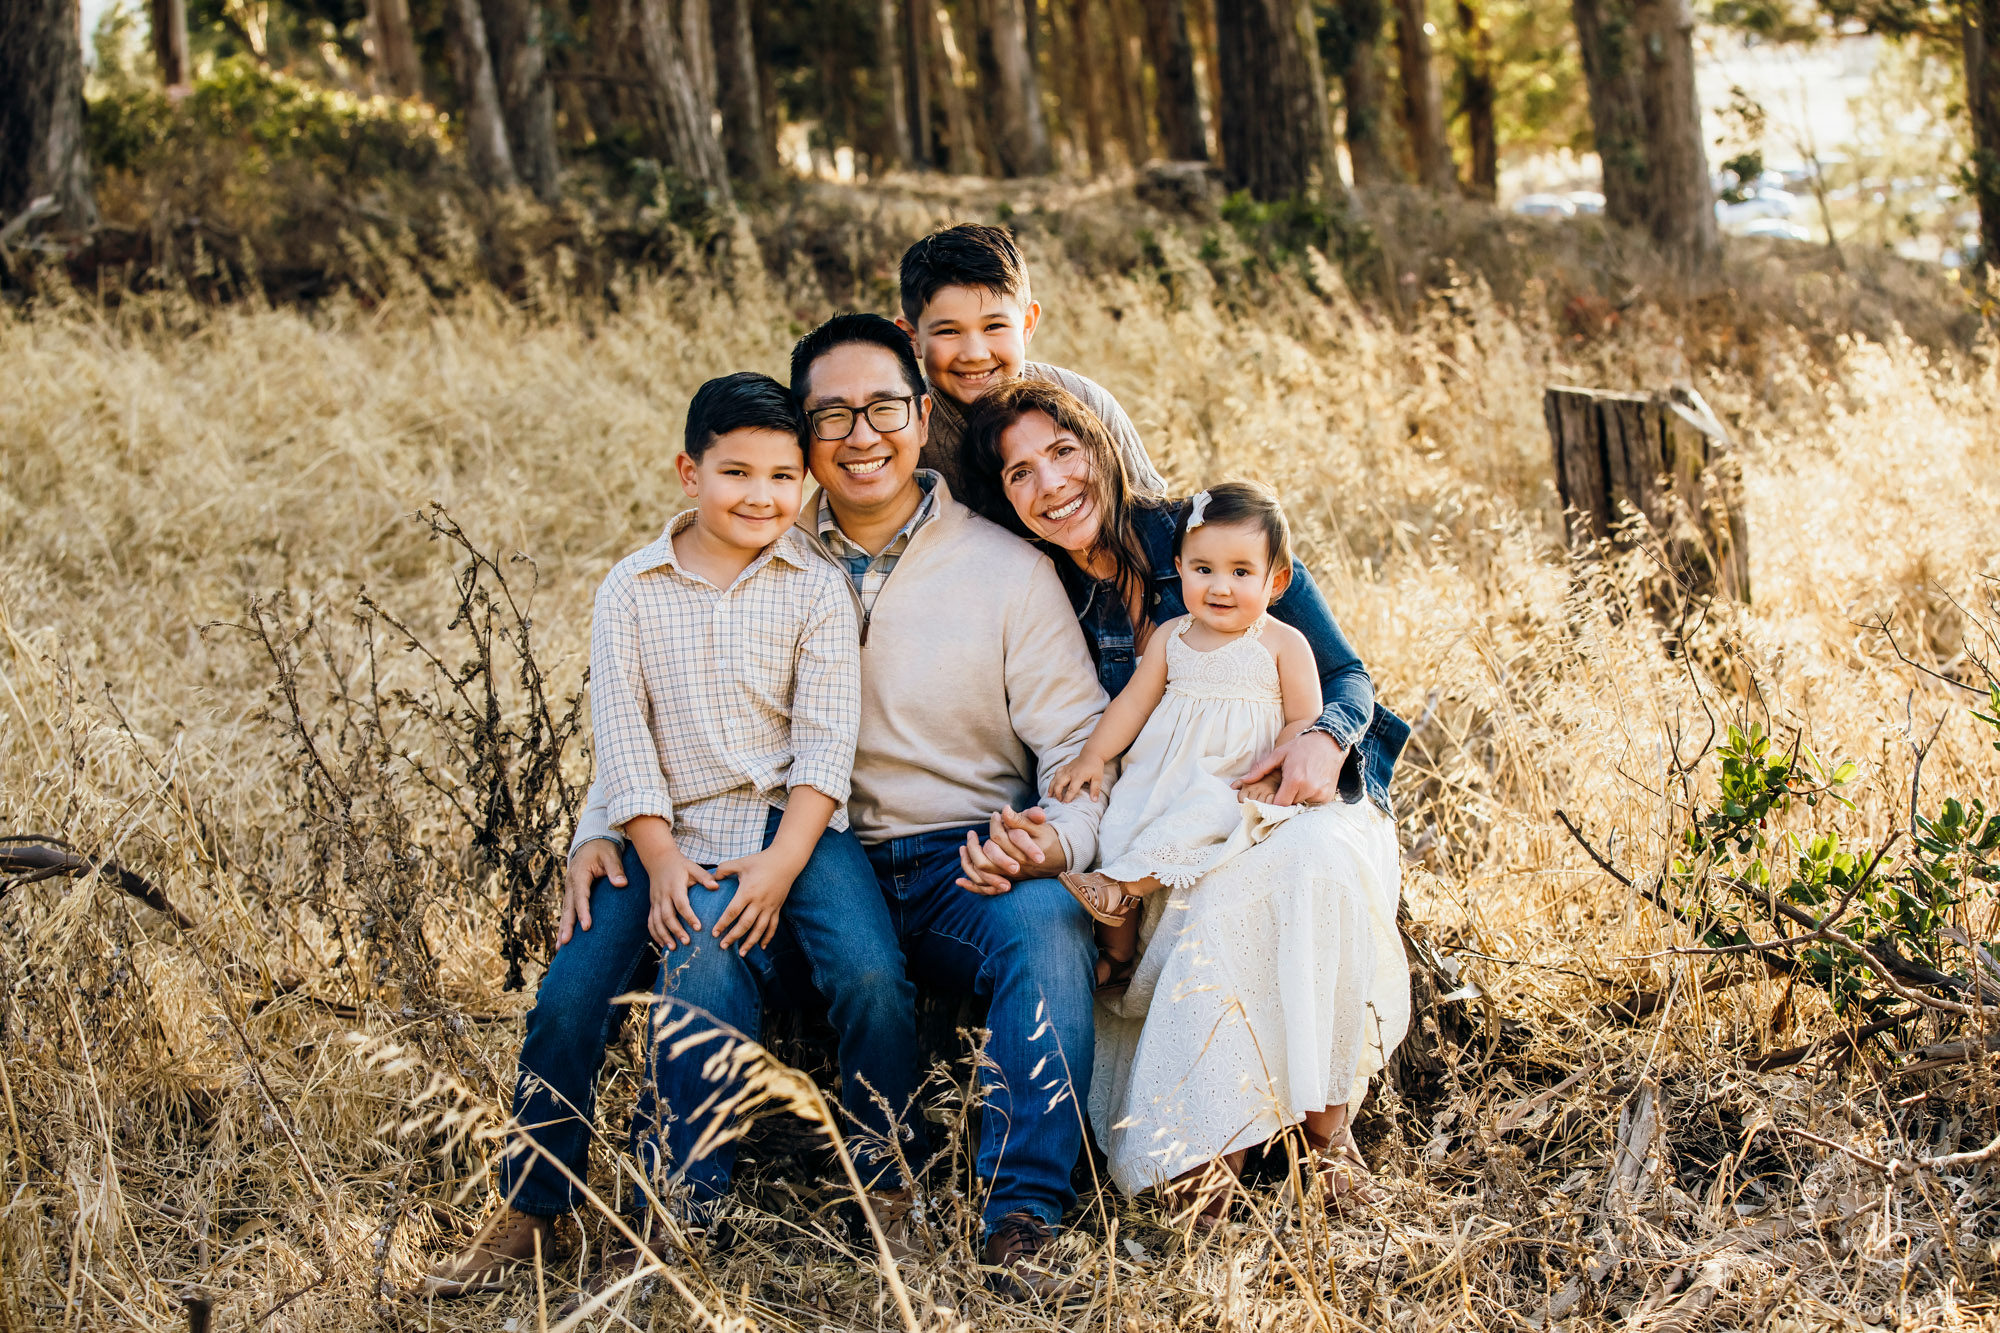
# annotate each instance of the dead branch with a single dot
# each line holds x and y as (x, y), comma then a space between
(31, 858)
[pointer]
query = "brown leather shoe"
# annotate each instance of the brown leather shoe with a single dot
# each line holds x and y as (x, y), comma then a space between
(897, 1214)
(621, 1260)
(1012, 1250)
(505, 1246)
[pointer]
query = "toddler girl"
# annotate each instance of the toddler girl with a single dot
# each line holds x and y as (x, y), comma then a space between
(1214, 690)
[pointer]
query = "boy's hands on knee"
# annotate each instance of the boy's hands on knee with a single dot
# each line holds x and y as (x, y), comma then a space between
(671, 872)
(763, 882)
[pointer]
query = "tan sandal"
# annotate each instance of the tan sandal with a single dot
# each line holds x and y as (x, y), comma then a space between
(1102, 896)
(1342, 1170)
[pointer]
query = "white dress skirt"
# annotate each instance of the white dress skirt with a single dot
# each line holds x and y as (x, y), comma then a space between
(1273, 985)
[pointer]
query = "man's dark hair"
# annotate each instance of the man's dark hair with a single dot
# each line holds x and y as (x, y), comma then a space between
(968, 255)
(844, 329)
(745, 400)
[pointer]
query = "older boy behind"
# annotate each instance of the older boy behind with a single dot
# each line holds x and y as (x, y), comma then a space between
(969, 309)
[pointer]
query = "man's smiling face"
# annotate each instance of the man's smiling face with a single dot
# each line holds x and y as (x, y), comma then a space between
(871, 468)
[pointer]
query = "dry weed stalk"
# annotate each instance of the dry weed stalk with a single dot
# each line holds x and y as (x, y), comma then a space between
(289, 1107)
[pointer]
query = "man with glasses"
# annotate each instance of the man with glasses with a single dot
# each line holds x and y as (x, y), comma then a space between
(975, 682)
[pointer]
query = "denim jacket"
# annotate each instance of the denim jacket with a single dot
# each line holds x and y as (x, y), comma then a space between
(1372, 735)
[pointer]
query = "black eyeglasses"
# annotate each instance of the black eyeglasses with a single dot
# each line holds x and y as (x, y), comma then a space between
(885, 415)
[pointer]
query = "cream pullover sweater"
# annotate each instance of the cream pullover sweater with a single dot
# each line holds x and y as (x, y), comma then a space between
(976, 685)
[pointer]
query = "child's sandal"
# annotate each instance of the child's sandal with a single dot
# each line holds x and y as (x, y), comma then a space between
(1343, 1172)
(1102, 896)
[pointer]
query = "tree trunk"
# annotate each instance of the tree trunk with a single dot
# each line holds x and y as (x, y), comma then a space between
(1361, 94)
(917, 23)
(1178, 104)
(1638, 59)
(487, 151)
(1277, 141)
(1128, 61)
(683, 136)
(41, 112)
(1475, 98)
(1022, 136)
(1083, 81)
(170, 42)
(698, 47)
(746, 148)
(1423, 98)
(395, 42)
(527, 98)
(900, 150)
(1981, 23)
(1208, 67)
(953, 74)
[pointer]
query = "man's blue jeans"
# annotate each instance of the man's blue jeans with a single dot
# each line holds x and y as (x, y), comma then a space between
(1029, 954)
(834, 939)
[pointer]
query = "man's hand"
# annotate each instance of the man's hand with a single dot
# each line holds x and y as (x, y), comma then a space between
(1019, 845)
(600, 858)
(1309, 768)
(763, 882)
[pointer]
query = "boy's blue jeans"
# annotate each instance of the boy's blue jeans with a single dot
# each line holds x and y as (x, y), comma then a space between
(1029, 954)
(835, 941)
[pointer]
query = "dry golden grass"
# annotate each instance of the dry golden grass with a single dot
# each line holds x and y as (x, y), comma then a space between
(280, 1109)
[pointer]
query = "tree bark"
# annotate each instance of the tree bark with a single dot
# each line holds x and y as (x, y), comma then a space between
(1128, 62)
(1083, 81)
(1682, 197)
(41, 112)
(1177, 106)
(900, 150)
(953, 74)
(527, 98)
(746, 148)
(1423, 98)
(1980, 20)
(917, 23)
(1022, 135)
(170, 42)
(683, 136)
(1475, 98)
(1608, 44)
(395, 42)
(1361, 94)
(487, 151)
(1277, 140)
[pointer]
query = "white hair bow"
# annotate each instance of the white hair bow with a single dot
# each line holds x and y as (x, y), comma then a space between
(1196, 510)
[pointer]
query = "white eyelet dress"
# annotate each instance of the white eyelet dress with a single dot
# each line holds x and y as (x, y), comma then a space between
(1271, 980)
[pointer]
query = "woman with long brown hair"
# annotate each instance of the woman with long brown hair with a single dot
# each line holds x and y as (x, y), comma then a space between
(1266, 995)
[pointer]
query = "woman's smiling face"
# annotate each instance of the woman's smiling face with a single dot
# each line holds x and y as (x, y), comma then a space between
(1045, 474)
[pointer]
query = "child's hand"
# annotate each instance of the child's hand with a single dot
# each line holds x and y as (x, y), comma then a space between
(671, 873)
(763, 882)
(1079, 775)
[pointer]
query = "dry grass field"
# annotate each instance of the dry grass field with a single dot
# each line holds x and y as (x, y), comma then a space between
(212, 573)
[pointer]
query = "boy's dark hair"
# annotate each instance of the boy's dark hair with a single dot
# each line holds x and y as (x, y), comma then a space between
(1250, 502)
(844, 329)
(745, 400)
(968, 255)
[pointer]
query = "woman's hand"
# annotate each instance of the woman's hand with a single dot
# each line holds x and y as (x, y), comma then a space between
(1018, 846)
(1308, 767)
(600, 858)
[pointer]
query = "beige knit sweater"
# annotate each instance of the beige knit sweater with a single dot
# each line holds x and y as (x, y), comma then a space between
(975, 686)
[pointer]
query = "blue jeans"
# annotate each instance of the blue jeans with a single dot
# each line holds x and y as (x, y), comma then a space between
(834, 943)
(1029, 954)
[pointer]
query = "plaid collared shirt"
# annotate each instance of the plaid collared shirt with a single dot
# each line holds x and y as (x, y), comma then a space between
(708, 705)
(869, 572)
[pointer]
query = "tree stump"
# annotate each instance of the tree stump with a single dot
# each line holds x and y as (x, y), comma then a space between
(1635, 468)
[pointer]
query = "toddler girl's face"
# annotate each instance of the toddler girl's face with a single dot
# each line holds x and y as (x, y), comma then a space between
(1226, 575)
